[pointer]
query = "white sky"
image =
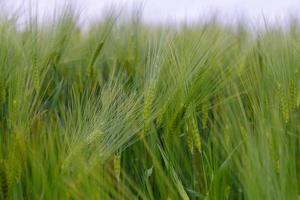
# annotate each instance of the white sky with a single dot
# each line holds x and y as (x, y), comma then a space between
(159, 11)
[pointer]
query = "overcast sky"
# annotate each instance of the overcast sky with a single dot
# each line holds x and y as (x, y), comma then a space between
(159, 11)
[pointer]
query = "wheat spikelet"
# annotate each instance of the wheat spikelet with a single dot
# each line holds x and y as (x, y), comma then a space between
(10, 174)
(272, 150)
(160, 116)
(117, 166)
(35, 73)
(13, 113)
(94, 136)
(226, 135)
(189, 139)
(227, 192)
(149, 97)
(243, 132)
(197, 141)
(36, 78)
(196, 134)
(14, 162)
(17, 170)
(177, 116)
(204, 115)
(96, 53)
(3, 180)
(51, 87)
(293, 95)
(283, 104)
(2, 91)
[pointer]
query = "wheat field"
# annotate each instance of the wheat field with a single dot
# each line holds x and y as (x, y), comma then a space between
(131, 111)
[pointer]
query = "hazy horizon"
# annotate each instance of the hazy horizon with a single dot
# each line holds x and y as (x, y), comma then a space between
(155, 11)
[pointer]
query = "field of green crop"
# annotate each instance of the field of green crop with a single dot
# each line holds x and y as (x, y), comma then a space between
(133, 111)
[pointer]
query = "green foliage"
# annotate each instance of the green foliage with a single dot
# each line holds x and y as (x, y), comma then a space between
(129, 111)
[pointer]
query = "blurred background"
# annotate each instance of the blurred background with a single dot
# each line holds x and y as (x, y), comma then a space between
(256, 12)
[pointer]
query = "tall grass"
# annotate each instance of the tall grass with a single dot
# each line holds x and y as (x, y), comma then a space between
(129, 111)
